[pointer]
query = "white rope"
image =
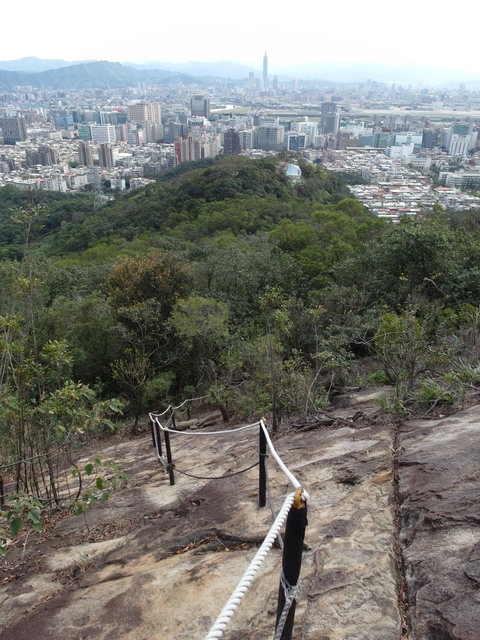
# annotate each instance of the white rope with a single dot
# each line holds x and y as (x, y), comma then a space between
(153, 418)
(295, 483)
(228, 610)
(172, 408)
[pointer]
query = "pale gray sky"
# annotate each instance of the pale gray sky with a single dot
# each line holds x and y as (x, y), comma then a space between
(344, 32)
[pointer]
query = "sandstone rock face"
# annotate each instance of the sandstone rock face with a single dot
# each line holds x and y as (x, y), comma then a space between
(161, 561)
(439, 491)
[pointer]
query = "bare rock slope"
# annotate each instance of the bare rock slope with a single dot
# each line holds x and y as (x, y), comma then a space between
(160, 561)
(439, 490)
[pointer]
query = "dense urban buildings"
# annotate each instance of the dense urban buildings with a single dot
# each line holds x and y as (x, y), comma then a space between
(412, 147)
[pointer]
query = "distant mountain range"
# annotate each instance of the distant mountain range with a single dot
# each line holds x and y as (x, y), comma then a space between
(91, 75)
(36, 65)
(223, 69)
(59, 74)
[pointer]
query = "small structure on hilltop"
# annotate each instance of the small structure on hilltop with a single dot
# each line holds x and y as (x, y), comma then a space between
(293, 172)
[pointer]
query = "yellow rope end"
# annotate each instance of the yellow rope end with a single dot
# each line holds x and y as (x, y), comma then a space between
(298, 503)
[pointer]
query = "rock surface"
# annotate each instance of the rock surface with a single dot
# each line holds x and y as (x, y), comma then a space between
(165, 559)
(439, 491)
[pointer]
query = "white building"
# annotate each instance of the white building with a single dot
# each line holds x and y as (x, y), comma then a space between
(399, 152)
(103, 132)
(247, 139)
(460, 144)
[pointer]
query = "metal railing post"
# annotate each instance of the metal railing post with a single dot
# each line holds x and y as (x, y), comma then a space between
(291, 564)
(262, 472)
(169, 457)
(158, 439)
(152, 427)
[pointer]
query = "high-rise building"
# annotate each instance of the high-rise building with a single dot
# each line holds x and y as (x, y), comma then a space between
(460, 139)
(145, 112)
(152, 132)
(105, 156)
(381, 139)
(13, 129)
(332, 122)
(429, 138)
(200, 106)
(309, 128)
(187, 149)
(248, 139)
(44, 155)
(231, 142)
(174, 130)
(85, 156)
(84, 131)
(135, 136)
(296, 141)
(193, 148)
(327, 108)
(103, 132)
(271, 137)
(209, 146)
(265, 71)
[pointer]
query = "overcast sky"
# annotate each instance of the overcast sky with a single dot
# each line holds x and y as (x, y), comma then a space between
(344, 32)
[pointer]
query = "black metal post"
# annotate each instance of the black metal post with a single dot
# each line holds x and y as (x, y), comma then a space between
(169, 457)
(292, 560)
(158, 439)
(152, 427)
(262, 472)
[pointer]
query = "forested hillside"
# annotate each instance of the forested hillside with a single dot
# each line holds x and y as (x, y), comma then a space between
(225, 279)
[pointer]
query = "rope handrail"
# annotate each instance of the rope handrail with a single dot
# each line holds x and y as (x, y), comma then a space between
(228, 610)
(221, 623)
(227, 475)
(154, 418)
(293, 481)
(172, 408)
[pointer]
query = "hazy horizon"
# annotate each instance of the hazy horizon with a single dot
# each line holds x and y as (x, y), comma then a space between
(413, 34)
(334, 72)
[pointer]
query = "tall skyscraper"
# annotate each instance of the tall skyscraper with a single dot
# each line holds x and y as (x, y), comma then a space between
(13, 129)
(85, 156)
(105, 156)
(248, 139)
(231, 143)
(200, 106)
(265, 70)
(145, 112)
(327, 108)
(271, 137)
(332, 123)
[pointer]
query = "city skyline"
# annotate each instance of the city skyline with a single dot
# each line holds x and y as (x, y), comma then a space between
(323, 36)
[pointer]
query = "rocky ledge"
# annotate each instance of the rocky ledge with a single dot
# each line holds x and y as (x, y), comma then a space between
(391, 548)
(439, 495)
